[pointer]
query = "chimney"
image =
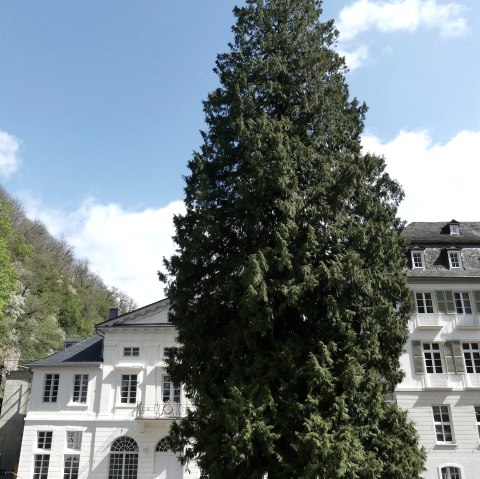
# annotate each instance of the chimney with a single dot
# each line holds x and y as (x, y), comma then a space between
(114, 313)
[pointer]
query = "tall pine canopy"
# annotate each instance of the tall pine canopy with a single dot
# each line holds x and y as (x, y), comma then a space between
(287, 288)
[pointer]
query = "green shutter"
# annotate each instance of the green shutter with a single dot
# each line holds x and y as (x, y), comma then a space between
(449, 357)
(418, 357)
(476, 295)
(445, 303)
(458, 357)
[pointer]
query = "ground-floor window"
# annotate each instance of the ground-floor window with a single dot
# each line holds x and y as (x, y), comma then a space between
(123, 459)
(70, 469)
(40, 466)
(451, 472)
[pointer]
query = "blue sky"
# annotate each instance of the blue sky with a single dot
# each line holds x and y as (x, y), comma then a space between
(101, 107)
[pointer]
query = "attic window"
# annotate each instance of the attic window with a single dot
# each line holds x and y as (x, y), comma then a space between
(417, 259)
(454, 229)
(131, 351)
(454, 259)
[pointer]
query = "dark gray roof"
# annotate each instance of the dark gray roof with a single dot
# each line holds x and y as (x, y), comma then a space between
(439, 233)
(88, 352)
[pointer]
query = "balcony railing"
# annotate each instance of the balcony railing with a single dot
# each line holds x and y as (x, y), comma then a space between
(438, 381)
(467, 321)
(160, 410)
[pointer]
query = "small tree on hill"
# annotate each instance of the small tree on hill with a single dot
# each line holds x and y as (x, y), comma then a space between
(288, 288)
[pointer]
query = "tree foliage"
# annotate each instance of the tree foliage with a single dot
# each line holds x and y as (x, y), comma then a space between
(46, 294)
(287, 288)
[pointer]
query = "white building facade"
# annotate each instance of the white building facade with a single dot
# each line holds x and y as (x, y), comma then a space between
(441, 389)
(101, 408)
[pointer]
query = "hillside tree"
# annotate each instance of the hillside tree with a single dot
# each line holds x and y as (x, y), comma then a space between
(287, 287)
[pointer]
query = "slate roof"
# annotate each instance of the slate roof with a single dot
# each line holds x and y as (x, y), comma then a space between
(434, 239)
(88, 352)
(439, 232)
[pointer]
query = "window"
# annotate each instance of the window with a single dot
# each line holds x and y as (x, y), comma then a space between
(167, 351)
(471, 354)
(50, 387)
(417, 259)
(131, 352)
(441, 419)
(462, 303)
(74, 440)
(450, 472)
(171, 392)
(40, 466)
(454, 259)
(80, 388)
(433, 358)
(454, 229)
(128, 394)
(123, 459)
(70, 467)
(162, 446)
(424, 302)
(477, 418)
(44, 440)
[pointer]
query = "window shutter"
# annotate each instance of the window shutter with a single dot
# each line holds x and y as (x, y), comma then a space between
(476, 295)
(413, 305)
(458, 357)
(445, 302)
(449, 357)
(418, 357)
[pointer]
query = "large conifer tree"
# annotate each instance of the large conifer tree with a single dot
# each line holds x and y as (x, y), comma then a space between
(288, 288)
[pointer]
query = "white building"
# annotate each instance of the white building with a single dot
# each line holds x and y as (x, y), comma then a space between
(441, 390)
(101, 407)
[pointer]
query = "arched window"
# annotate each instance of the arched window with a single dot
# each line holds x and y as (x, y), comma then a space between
(162, 446)
(123, 459)
(451, 472)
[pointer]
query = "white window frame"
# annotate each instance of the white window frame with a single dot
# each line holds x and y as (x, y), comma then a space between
(71, 471)
(448, 474)
(44, 440)
(432, 356)
(455, 263)
(131, 352)
(471, 357)
(462, 302)
(129, 395)
(476, 410)
(171, 392)
(454, 229)
(51, 383)
(421, 258)
(442, 425)
(424, 302)
(44, 460)
(80, 393)
(73, 440)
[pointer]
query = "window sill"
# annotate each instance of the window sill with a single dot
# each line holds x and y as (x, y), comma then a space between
(445, 445)
(129, 366)
(77, 405)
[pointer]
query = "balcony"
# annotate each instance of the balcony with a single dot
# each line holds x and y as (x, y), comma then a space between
(472, 381)
(438, 381)
(467, 321)
(427, 321)
(160, 410)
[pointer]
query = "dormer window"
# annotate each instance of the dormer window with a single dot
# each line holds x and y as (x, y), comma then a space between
(418, 259)
(454, 227)
(454, 259)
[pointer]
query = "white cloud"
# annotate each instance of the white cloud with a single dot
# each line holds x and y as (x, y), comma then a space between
(393, 16)
(9, 162)
(440, 181)
(124, 247)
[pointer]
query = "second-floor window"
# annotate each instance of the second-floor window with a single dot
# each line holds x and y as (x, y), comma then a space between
(40, 466)
(433, 358)
(443, 427)
(471, 354)
(50, 387)
(131, 352)
(74, 440)
(462, 303)
(424, 302)
(128, 393)
(44, 440)
(80, 388)
(70, 466)
(171, 392)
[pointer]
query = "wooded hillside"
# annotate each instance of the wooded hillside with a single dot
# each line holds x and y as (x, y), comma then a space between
(46, 294)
